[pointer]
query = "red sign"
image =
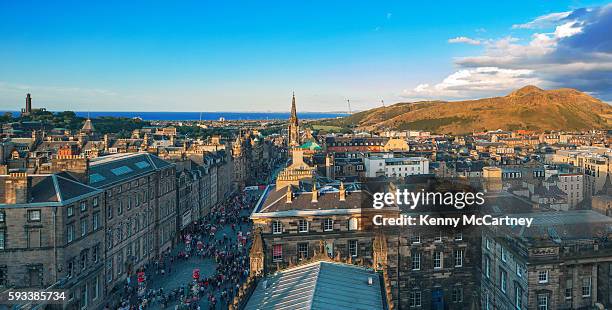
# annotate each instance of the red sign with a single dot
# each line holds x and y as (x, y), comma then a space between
(196, 274)
(141, 277)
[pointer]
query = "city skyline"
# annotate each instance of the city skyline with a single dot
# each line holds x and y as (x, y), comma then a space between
(221, 57)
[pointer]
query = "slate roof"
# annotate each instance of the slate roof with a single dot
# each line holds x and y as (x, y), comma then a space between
(276, 201)
(53, 146)
(320, 285)
(564, 226)
(56, 189)
(109, 170)
(503, 203)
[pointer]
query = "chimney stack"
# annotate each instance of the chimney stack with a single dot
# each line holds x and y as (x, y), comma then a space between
(75, 165)
(289, 194)
(329, 166)
(342, 192)
(315, 193)
(17, 188)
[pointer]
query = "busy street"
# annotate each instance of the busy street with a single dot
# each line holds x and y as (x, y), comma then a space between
(205, 268)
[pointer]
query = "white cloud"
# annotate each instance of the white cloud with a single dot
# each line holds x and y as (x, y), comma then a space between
(482, 81)
(574, 51)
(464, 40)
(567, 30)
(543, 21)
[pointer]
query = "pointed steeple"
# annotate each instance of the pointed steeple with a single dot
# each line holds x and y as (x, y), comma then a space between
(294, 127)
(293, 118)
(88, 126)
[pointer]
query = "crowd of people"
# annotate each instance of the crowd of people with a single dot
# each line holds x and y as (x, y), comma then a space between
(224, 236)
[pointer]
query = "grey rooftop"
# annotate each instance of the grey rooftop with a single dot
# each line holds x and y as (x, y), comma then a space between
(320, 285)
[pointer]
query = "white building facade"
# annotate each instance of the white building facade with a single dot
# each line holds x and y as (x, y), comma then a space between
(395, 167)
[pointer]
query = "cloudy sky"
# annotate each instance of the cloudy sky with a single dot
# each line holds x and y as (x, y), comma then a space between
(250, 55)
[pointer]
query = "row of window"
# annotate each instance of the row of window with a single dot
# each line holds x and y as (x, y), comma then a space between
(76, 265)
(518, 299)
(355, 143)
(137, 249)
(33, 216)
(129, 185)
(85, 293)
(129, 227)
(542, 299)
(416, 297)
(416, 238)
(438, 259)
(82, 207)
(71, 234)
(136, 200)
(304, 226)
(303, 253)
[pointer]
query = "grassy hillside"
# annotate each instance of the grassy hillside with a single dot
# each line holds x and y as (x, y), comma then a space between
(527, 108)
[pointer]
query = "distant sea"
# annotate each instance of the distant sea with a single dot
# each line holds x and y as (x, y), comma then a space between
(207, 116)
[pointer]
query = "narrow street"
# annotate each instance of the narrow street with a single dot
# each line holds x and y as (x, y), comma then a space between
(218, 247)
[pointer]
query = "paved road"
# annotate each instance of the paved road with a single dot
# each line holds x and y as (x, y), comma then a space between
(180, 271)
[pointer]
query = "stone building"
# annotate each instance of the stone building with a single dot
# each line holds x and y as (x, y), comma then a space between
(563, 261)
(293, 223)
(52, 235)
(432, 268)
(296, 171)
(602, 202)
(189, 178)
(423, 267)
(240, 160)
(250, 159)
(141, 211)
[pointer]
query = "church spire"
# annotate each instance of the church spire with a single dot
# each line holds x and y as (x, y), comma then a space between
(293, 118)
(294, 129)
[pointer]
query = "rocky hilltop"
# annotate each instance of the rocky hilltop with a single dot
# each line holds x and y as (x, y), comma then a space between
(527, 108)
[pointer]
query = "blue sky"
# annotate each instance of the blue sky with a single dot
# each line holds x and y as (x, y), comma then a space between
(250, 55)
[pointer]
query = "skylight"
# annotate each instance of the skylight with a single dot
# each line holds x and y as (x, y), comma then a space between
(121, 170)
(142, 164)
(96, 177)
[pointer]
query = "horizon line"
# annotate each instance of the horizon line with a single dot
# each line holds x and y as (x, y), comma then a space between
(162, 111)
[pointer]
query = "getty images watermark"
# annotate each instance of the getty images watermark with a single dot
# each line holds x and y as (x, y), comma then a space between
(405, 199)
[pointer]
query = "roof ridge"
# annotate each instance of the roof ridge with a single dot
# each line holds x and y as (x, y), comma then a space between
(79, 183)
(114, 157)
(56, 187)
(148, 156)
(316, 287)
